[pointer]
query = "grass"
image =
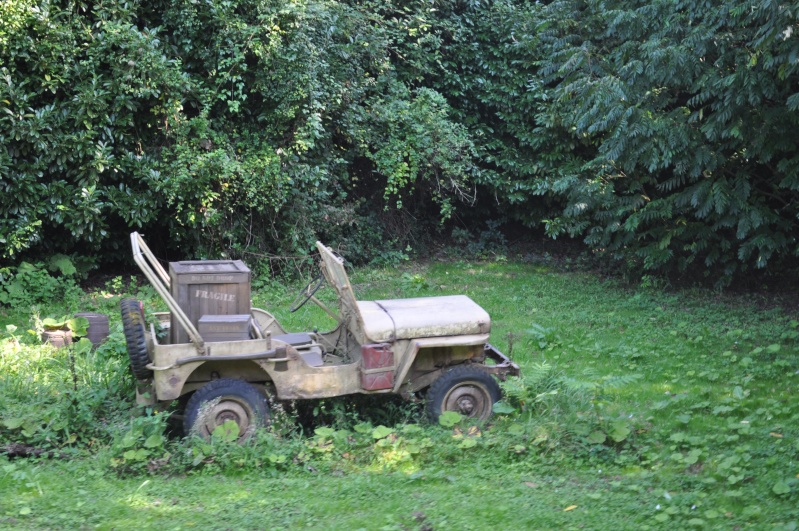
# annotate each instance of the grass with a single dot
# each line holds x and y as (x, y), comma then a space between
(636, 409)
(465, 499)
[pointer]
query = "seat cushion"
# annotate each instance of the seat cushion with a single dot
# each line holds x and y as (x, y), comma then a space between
(295, 340)
(451, 315)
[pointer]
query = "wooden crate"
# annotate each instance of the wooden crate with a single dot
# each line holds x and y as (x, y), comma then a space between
(208, 287)
(224, 327)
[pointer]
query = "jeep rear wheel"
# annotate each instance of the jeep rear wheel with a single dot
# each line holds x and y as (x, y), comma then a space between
(222, 400)
(134, 327)
(465, 389)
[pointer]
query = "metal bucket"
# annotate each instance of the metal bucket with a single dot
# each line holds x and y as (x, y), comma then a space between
(98, 327)
(57, 338)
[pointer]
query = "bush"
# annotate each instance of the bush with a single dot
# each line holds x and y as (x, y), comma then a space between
(84, 96)
(654, 132)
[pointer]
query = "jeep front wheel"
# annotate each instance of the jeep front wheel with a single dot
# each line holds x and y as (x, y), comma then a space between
(464, 389)
(222, 400)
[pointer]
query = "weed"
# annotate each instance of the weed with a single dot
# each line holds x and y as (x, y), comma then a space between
(143, 446)
(31, 284)
(414, 282)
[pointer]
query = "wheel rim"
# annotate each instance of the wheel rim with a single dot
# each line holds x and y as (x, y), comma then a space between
(470, 399)
(214, 414)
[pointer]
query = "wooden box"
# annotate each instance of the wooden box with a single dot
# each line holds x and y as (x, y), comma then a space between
(224, 327)
(208, 287)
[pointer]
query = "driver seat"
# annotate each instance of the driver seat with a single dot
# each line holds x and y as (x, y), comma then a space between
(386, 321)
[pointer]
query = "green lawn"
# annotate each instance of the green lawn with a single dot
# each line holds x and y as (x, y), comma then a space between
(636, 409)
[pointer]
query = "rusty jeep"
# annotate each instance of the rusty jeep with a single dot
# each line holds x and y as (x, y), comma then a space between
(223, 360)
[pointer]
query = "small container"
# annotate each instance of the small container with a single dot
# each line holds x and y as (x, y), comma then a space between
(214, 328)
(98, 327)
(57, 338)
(377, 356)
(377, 367)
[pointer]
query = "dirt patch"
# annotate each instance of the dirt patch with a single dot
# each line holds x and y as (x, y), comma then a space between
(13, 450)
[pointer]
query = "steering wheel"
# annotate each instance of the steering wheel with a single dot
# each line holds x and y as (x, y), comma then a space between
(307, 292)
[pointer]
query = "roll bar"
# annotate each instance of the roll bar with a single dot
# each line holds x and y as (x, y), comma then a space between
(159, 279)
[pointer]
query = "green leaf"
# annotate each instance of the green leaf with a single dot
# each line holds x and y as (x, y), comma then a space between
(198, 457)
(277, 459)
(361, 427)
(13, 423)
(619, 430)
(130, 455)
(141, 454)
(324, 432)
(781, 488)
(596, 437)
(128, 440)
(52, 324)
(449, 418)
(63, 264)
(502, 408)
(678, 436)
(467, 443)
(78, 325)
(412, 429)
(154, 440)
(381, 432)
(692, 457)
(516, 429)
(228, 431)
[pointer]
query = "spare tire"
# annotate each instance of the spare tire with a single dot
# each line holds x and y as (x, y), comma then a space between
(135, 328)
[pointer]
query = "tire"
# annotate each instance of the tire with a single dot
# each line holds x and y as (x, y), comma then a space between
(222, 400)
(465, 389)
(135, 328)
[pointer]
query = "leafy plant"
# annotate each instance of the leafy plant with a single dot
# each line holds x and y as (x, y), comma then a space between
(143, 445)
(32, 284)
(77, 325)
(414, 282)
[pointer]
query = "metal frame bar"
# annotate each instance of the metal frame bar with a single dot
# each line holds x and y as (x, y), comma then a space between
(159, 279)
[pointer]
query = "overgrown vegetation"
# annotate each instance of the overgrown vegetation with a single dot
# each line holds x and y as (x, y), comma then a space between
(635, 409)
(658, 133)
(254, 125)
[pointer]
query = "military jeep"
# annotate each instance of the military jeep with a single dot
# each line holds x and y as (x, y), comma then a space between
(224, 360)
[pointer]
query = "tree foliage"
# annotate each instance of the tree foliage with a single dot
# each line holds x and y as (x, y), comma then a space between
(661, 129)
(83, 93)
(689, 107)
(659, 132)
(236, 126)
